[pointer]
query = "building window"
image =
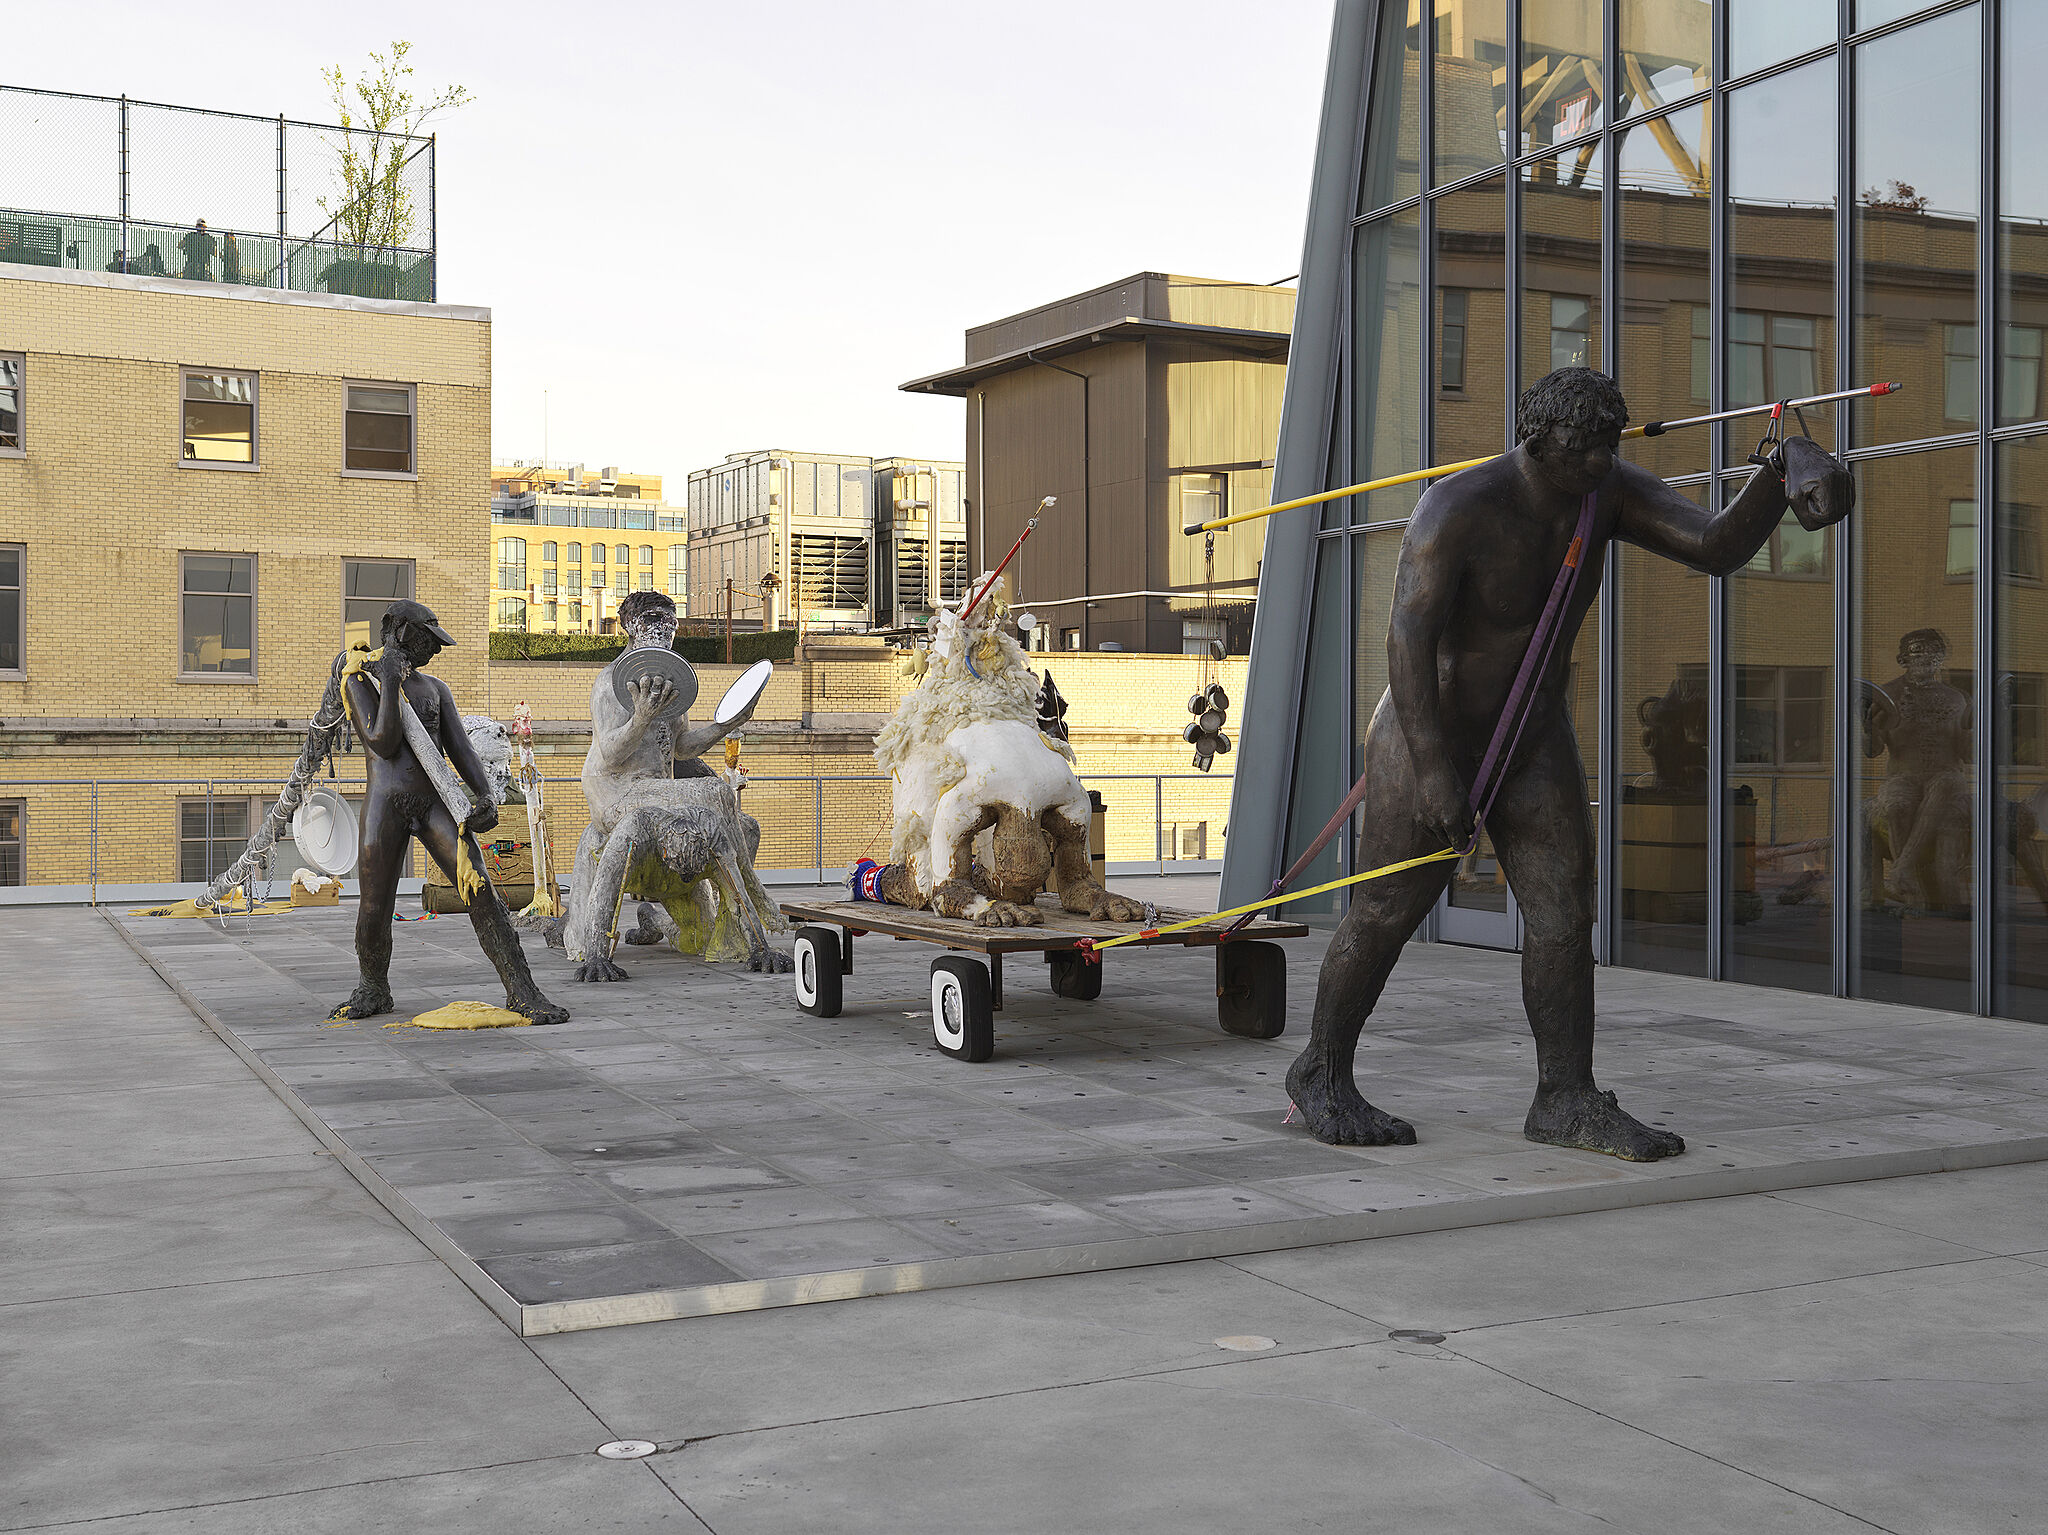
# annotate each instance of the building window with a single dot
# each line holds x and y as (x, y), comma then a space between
(217, 629)
(554, 612)
(647, 556)
(646, 580)
(211, 835)
(575, 612)
(13, 842)
(2019, 541)
(1781, 716)
(1702, 358)
(1070, 639)
(368, 587)
(2020, 397)
(511, 612)
(1770, 356)
(1571, 332)
(547, 582)
(377, 429)
(1450, 375)
(1180, 840)
(220, 418)
(13, 372)
(678, 570)
(622, 555)
(13, 641)
(1792, 551)
(1959, 372)
(597, 553)
(2025, 695)
(512, 564)
(1201, 498)
(547, 551)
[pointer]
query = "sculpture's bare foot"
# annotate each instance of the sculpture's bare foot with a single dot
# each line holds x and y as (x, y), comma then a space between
(1009, 914)
(1588, 1119)
(598, 968)
(1116, 908)
(535, 1008)
(1336, 1112)
(649, 931)
(366, 1001)
(770, 961)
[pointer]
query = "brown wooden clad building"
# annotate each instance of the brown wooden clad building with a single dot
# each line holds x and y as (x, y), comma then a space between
(1141, 405)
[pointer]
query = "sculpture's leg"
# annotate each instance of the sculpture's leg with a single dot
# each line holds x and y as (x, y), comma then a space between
(1543, 833)
(1367, 945)
(590, 915)
(956, 821)
(1900, 801)
(2019, 830)
(493, 924)
(1075, 879)
(898, 886)
(385, 843)
(732, 886)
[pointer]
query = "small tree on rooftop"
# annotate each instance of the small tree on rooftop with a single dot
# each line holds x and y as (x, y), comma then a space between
(380, 114)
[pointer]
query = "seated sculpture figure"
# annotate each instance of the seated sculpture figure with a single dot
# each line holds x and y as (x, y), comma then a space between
(967, 758)
(662, 824)
(1919, 819)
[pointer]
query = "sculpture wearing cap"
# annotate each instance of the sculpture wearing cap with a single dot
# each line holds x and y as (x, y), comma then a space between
(407, 721)
(661, 823)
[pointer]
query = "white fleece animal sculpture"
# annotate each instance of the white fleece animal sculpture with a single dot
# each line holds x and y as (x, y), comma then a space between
(967, 758)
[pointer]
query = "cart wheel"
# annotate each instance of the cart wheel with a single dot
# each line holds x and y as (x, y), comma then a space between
(1251, 989)
(817, 971)
(1073, 976)
(963, 1022)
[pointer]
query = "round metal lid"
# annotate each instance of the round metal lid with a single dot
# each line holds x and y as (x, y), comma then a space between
(651, 661)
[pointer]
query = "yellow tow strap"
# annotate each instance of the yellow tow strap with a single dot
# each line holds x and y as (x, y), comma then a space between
(1091, 946)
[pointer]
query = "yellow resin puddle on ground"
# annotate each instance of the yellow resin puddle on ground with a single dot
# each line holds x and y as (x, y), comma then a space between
(466, 1015)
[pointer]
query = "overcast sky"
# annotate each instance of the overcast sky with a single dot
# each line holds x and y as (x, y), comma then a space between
(705, 228)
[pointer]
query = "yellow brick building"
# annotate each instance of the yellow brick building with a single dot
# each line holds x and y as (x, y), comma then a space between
(207, 489)
(568, 544)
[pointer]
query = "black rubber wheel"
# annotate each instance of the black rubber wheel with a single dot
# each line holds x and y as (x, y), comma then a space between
(1073, 977)
(963, 1020)
(1251, 989)
(816, 956)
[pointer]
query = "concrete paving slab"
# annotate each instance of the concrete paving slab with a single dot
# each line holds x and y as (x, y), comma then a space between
(1830, 1389)
(1225, 1447)
(640, 1132)
(571, 1492)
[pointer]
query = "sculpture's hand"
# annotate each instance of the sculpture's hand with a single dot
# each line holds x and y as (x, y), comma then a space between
(390, 666)
(649, 695)
(482, 819)
(1446, 808)
(1820, 490)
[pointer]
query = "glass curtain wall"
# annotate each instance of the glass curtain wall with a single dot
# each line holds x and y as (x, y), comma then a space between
(1828, 770)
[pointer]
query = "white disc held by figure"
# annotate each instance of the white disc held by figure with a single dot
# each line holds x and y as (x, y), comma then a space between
(742, 693)
(652, 661)
(324, 830)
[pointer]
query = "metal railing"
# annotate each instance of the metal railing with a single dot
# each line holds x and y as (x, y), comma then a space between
(97, 839)
(105, 183)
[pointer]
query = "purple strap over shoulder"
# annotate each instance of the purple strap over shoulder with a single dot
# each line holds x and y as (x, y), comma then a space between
(1514, 714)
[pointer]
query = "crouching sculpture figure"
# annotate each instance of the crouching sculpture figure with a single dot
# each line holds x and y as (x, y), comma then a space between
(661, 824)
(971, 767)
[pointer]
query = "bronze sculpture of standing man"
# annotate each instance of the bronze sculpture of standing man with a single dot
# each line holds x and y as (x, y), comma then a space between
(1476, 568)
(402, 803)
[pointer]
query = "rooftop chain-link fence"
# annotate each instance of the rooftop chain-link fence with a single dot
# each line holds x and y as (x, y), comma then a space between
(100, 183)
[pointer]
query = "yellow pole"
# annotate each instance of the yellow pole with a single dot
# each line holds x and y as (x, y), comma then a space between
(1348, 490)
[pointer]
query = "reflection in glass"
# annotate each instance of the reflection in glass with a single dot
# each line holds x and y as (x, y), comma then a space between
(1667, 51)
(1584, 690)
(1780, 335)
(1781, 623)
(1875, 13)
(1665, 285)
(1320, 755)
(1914, 228)
(2019, 716)
(1387, 365)
(1394, 138)
(1663, 750)
(1471, 322)
(1761, 32)
(2022, 210)
(1560, 274)
(1913, 716)
(1561, 86)
(1471, 87)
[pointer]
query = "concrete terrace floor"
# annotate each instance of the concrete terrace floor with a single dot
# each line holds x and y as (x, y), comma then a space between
(207, 1324)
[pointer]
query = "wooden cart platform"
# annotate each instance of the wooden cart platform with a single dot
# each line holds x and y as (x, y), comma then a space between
(1251, 970)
